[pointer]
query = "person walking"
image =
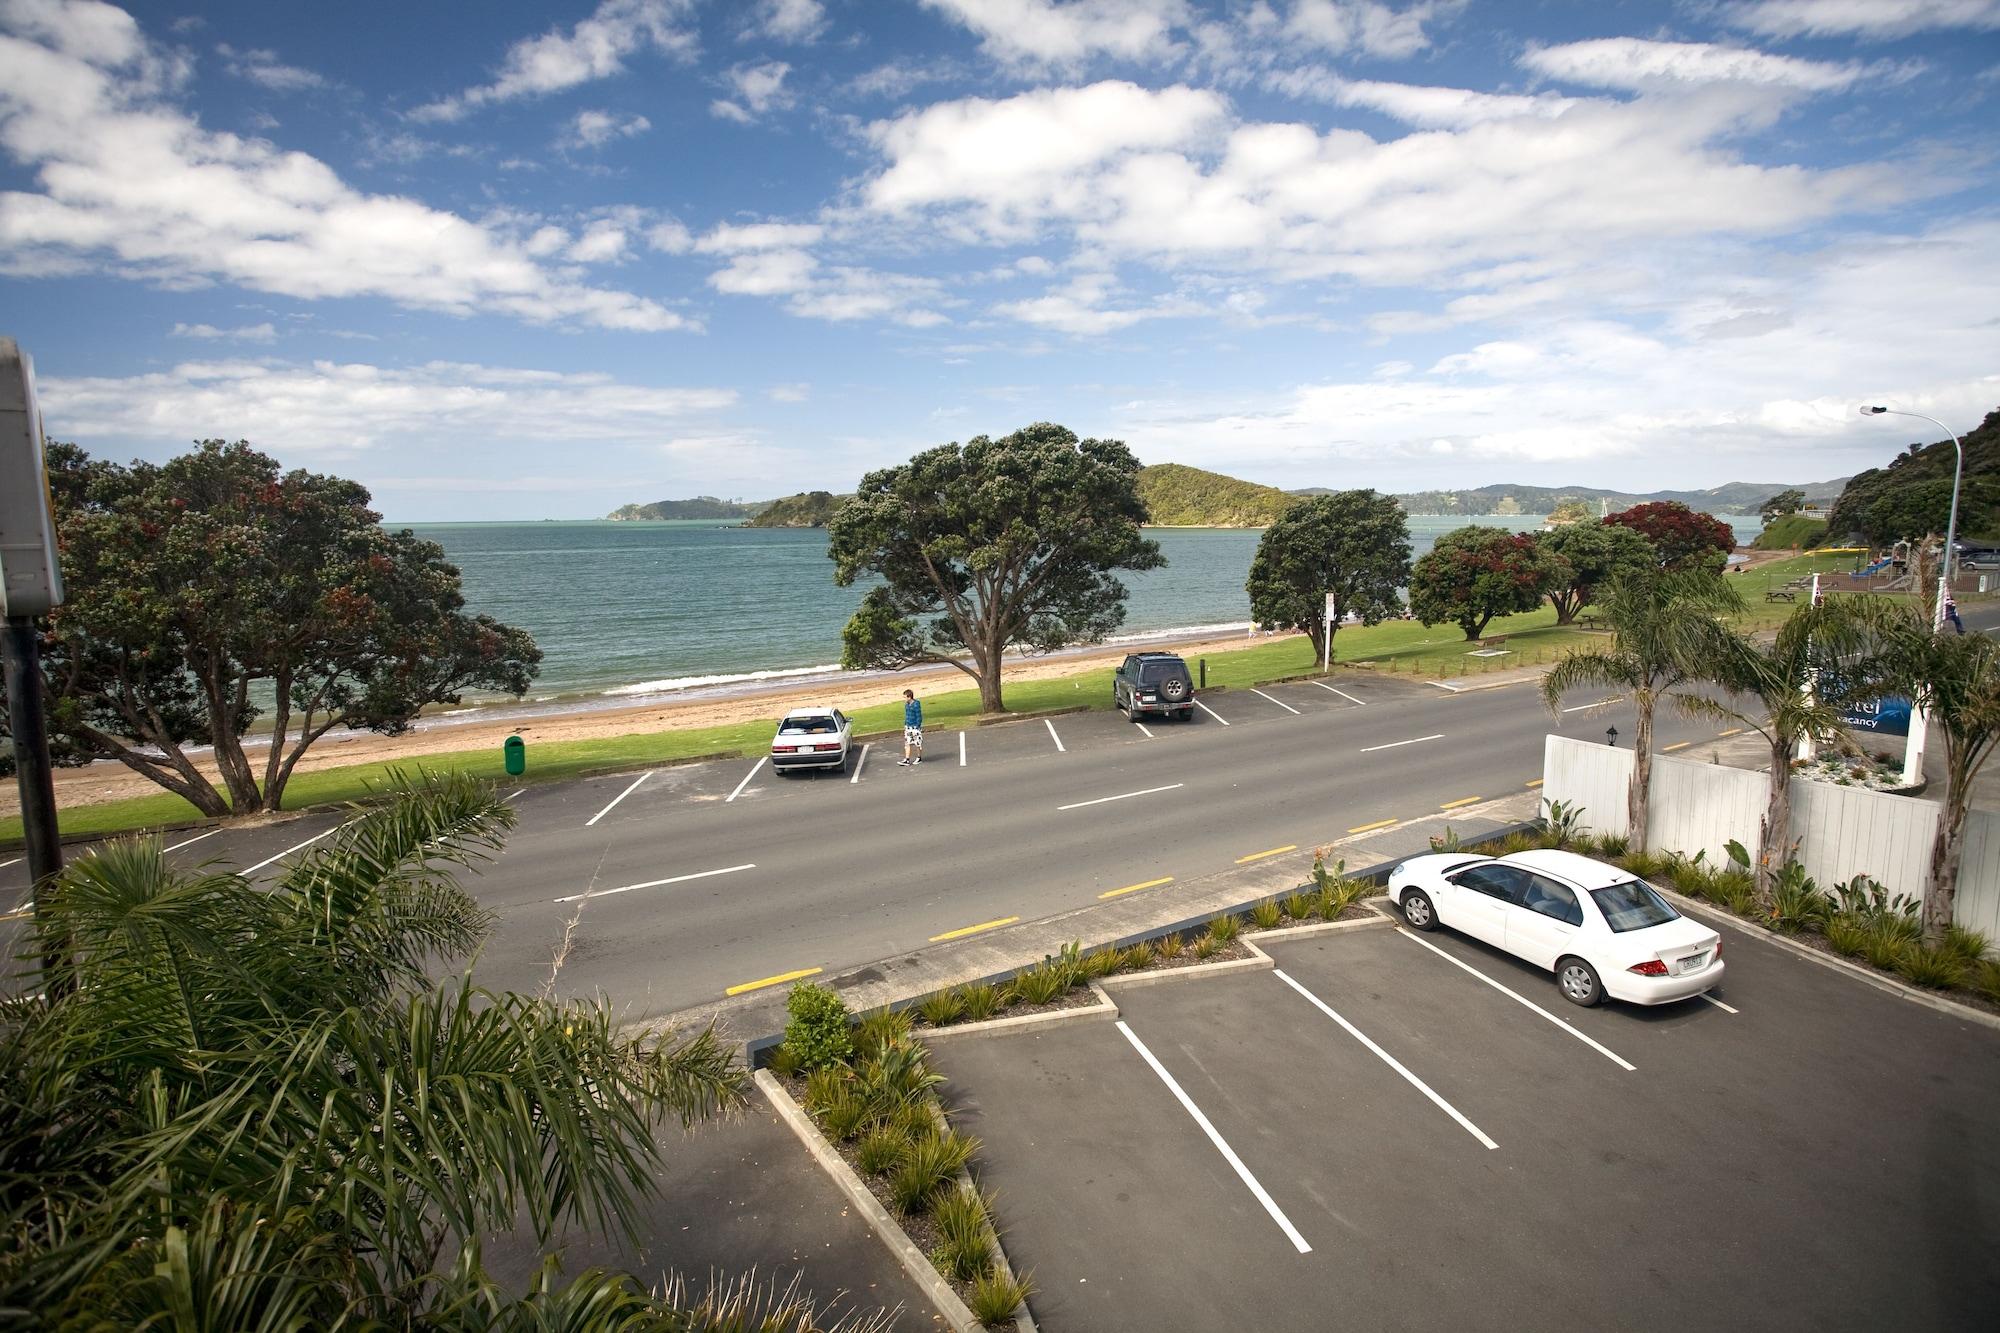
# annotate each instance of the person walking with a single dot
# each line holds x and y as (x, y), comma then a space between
(1951, 614)
(913, 731)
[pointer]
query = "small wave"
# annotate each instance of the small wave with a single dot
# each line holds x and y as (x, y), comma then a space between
(1181, 631)
(676, 683)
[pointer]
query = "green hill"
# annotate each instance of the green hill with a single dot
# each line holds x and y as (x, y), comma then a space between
(808, 509)
(1793, 532)
(1187, 497)
(1912, 495)
(702, 506)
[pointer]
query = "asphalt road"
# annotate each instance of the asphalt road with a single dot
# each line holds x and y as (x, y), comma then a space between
(707, 877)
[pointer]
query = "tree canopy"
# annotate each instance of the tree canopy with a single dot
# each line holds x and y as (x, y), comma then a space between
(1591, 555)
(1781, 504)
(1353, 545)
(991, 545)
(1182, 496)
(213, 590)
(1475, 573)
(1685, 538)
(1924, 472)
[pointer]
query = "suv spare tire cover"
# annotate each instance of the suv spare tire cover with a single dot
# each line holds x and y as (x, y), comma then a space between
(1174, 687)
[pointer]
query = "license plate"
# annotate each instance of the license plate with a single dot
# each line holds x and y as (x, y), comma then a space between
(1693, 964)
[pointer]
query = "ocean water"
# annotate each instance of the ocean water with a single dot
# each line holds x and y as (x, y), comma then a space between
(643, 608)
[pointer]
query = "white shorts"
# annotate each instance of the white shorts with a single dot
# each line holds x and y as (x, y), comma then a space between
(914, 736)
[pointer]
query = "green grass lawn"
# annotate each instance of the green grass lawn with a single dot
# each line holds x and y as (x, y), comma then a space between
(1401, 646)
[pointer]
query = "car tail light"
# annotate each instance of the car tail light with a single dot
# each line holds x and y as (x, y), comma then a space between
(1718, 949)
(1652, 967)
(824, 748)
(784, 749)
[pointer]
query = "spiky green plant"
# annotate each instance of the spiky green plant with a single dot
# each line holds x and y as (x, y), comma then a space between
(1267, 915)
(1169, 946)
(1971, 945)
(965, 1242)
(1206, 946)
(823, 1085)
(980, 999)
(1796, 901)
(1042, 984)
(782, 1060)
(878, 1027)
(1847, 934)
(1985, 979)
(844, 1113)
(995, 1296)
(1137, 957)
(1299, 906)
(881, 1149)
(1922, 965)
(927, 1168)
(1100, 963)
(942, 1007)
(1223, 929)
(897, 1075)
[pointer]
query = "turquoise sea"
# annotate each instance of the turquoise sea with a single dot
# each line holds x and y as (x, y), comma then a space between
(629, 609)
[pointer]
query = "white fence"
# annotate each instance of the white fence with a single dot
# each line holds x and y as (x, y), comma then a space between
(1842, 831)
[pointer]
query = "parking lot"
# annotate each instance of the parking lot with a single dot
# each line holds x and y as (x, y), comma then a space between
(1381, 1134)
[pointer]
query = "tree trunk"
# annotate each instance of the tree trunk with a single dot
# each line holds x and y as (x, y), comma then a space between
(989, 658)
(1941, 893)
(1567, 604)
(1774, 834)
(244, 796)
(1642, 773)
(177, 775)
(281, 722)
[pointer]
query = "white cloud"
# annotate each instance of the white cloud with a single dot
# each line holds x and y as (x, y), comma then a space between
(1065, 32)
(734, 238)
(1376, 29)
(765, 273)
(759, 89)
(596, 48)
(1636, 64)
(129, 183)
(593, 129)
(790, 393)
(256, 333)
(602, 242)
(264, 69)
(1862, 18)
(799, 21)
(1428, 107)
(335, 406)
(838, 293)
(1083, 307)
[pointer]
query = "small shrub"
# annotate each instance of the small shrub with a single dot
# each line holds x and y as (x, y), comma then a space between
(1447, 841)
(898, 1075)
(1224, 929)
(1644, 865)
(995, 1296)
(1267, 915)
(1100, 963)
(1168, 946)
(1847, 934)
(965, 1246)
(881, 1149)
(1738, 894)
(844, 1114)
(1938, 968)
(823, 1085)
(1884, 945)
(782, 1060)
(1560, 823)
(877, 1028)
(1519, 841)
(943, 1007)
(928, 1165)
(1796, 902)
(1299, 906)
(980, 1000)
(1206, 945)
(817, 1033)
(1970, 945)
(1042, 984)
(1611, 846)
(1985, 979)
(914, 1120)
(1137, 957)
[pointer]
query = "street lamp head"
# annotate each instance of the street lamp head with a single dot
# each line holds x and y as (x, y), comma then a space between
(1873, 411)
(1611, 735)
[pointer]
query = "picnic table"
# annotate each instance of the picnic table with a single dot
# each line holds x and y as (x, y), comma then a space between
(1781, 595)
(1591, 620)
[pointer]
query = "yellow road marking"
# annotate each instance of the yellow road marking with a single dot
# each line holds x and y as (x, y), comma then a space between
(17, 916)
(974, 930)
(1677, 745)
(1380, 823)
(1536, 783)
(1733, 731)
(778, 980)
(1258, 856)
(1134, 888)
(1463, 800)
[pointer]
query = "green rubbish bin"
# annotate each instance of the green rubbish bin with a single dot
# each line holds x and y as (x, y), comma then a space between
(517, 756)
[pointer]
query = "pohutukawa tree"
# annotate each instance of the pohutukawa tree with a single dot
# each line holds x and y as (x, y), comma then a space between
(214, 590)
(988, 546)
(1591, 556)
(1475, 573)
(1352, 545)
(1684, 537)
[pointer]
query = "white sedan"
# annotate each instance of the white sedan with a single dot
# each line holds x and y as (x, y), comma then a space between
(1597, 928)
(810, 738)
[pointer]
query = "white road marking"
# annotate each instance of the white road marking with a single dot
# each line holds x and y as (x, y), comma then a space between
(1142, 726)
(1280, 702)
(1221, 1145)
(1607, 1053)
(1126, 796)
(289, 850)
(855, 776)
(754, 768)
(1393, 744)
(961, 749)
(1441, 685)
(627, 792)
(4, 864)
(1718, 1004)
(1211, 712)
(512, 794)
(1578, 708)
(656, 883)
(1052, 736)
(1360, 703)
(189, 843)
(1387, 1059)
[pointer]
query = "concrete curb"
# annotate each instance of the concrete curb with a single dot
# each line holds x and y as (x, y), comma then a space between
(913, 1261)
(1024, 1319)
(1888, 985)
(1258, 961)
(1054, 1018)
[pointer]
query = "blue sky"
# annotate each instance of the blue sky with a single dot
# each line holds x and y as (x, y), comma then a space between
(516, 260)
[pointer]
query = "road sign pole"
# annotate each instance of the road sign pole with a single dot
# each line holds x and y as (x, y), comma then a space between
(28, 723)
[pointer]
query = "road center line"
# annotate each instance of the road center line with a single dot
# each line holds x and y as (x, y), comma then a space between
(1393, 744)
(1719, 1004)
(961, 749)
(1678, 745)
(1370, 828)
(1211, 712)
(289, 850)
(189, 843)
(1387, 1059)
(1122, 796)
(860, 763)
(1358, 703)
(1280, 702)
(1258, 856)
(622, 795)
(963, 931)
(1221, 1145)
(1463, 800)
(655, 883)
(1608, 1054)
(778, 980)
(1134, 888)
(1052, 736)
(1578, 708)
(725, 800)
(1143, 727)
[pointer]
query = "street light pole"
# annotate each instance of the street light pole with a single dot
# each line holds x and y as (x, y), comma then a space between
(1913, 751)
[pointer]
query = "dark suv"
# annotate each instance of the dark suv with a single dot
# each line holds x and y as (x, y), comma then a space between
(1153, 683)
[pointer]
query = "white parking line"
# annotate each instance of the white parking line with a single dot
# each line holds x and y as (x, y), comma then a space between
(189, 843)
(1441, 685)
(1211, 712)
(1719, 1004)
(1607, 1053)
(512, 794)
(1359, 703)
(732, 795)
(1221, 1145)
(1280, 702)
(1578, 708)
(1052, 736)
(289, 850)
(627, 792)
(1126, 796)
(1143, 727)
(1371, 749)
(4, 864)
(961, 749)
(855, 776)
(656, 883)
(1387, 1059)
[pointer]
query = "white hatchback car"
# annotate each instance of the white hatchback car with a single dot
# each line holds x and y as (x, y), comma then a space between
(1597, 928)
(810, 738)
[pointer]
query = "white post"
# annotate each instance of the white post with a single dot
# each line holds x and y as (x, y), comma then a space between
(1327, 633)
(1805, 740)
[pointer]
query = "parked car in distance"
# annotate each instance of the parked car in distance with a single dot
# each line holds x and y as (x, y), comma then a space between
(814, 737)
(1600, 930)
(1156, 683)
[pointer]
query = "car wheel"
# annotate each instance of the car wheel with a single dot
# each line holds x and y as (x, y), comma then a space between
(1417, 910)
(1579, 982)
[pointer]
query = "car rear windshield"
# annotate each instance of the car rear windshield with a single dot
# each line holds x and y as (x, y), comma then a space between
(1152, 673)
(809, 726)
(1633, 905)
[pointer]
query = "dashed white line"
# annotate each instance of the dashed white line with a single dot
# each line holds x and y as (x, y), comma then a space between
(1280, 702)
(289, 850)
(1211, 712)
(1608, 1054)
(627, 792)
(1387, 1059)
(16, 861)
(1052, 736)
(1143, 727)
(656, 883)
(1718, 1004)
(1453, 689)
(1221, 1145)
(1371, 749)
(1359, 703)
(754, 769)
(859, 763)
(1578, 708)
(189, 843)
(1122, 796)
(961, 749)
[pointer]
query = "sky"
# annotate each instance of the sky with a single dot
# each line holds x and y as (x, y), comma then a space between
(537, 260)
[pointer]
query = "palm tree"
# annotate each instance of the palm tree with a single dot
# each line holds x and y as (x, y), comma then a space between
(1665, 635)
(250, 1107)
